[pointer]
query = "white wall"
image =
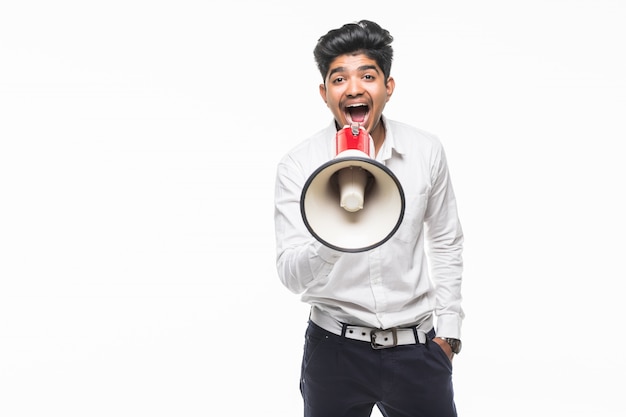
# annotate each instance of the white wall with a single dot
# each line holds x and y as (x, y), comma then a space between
(138, 142)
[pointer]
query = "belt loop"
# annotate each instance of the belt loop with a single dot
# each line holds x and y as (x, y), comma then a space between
(344, 326)
(417, 338)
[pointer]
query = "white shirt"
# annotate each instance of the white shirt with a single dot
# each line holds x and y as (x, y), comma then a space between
(403, 281)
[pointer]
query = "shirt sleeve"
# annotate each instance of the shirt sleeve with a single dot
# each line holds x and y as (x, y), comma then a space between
(444, 237)
(301, 261)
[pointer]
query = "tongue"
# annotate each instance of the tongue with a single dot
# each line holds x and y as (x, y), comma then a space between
(358, 114)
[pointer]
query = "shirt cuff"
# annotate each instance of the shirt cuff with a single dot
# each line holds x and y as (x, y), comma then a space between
(449, 325)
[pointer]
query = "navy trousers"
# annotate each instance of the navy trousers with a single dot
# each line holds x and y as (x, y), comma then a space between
(345, 378)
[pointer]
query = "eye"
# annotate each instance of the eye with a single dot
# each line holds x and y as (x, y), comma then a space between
(338, 80)
(369, 77)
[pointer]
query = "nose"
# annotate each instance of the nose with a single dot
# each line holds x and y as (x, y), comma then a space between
(354, 88)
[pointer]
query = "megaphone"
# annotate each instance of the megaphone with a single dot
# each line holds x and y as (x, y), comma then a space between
(352, 203)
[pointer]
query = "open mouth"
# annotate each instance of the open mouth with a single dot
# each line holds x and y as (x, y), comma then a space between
(357, 113)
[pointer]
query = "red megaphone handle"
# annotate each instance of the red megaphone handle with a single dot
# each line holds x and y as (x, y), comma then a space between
(353, 138)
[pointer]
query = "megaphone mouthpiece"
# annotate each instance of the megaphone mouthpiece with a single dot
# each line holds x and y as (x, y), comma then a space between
(353, 138)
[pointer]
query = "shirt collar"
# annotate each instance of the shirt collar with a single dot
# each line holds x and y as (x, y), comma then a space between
(391, 143)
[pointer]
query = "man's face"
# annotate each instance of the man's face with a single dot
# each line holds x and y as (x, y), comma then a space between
(355, 91)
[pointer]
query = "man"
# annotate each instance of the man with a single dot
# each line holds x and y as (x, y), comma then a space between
(385, 323)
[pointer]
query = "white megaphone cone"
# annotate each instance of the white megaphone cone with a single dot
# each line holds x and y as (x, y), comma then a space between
(352, 203)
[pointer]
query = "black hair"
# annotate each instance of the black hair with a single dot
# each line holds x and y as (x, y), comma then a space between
(365, 37)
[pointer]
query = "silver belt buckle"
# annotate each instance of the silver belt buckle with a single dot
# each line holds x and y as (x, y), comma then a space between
(394, 336)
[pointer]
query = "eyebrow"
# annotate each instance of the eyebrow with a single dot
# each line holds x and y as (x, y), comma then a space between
(360, 69)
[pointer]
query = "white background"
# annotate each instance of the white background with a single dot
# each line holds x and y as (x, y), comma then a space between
(138, 146)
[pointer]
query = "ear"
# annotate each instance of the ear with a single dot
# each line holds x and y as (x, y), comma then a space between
(323, 93)
(391, 86)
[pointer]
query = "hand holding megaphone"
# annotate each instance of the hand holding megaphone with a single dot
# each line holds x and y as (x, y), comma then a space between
(352, 203)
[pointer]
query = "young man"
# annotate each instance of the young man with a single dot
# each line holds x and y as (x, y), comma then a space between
(385, 323)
